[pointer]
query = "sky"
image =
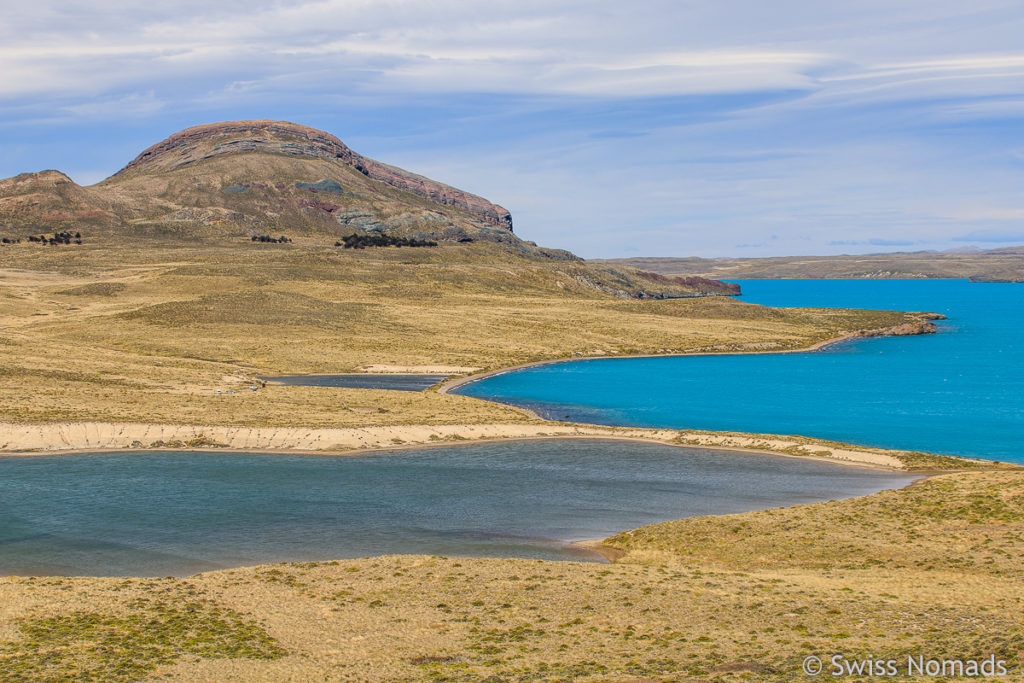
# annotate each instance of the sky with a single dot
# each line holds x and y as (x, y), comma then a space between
(651, 128)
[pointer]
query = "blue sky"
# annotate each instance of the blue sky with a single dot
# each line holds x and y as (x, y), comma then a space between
(709, 128)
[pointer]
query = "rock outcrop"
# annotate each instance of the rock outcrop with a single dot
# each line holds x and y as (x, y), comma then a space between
(910, 328)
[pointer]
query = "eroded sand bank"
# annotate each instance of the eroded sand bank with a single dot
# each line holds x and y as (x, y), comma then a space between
(52, 438)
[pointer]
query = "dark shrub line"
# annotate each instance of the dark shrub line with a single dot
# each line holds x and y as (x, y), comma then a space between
(357, 241)
(58, 238)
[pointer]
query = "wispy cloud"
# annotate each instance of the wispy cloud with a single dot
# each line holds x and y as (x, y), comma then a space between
(692, 127)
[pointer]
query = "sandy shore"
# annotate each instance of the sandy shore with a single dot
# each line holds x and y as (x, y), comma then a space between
(68, 437)
(597, 546)
(417, 369)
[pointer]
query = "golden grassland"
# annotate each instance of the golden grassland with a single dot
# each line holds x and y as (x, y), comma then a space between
(148, 330)
(933, 570)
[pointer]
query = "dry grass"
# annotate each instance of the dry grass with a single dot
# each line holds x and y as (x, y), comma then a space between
(147, 330)
(965, 522)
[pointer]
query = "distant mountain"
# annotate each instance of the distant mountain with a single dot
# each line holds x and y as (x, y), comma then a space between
(993, 265)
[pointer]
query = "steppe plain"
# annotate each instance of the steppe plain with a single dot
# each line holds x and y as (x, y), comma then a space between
(152, 333)
(148, 333)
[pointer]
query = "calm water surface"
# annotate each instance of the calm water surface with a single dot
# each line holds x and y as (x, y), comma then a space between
(361, 381)
(178, 513)
(958, 392)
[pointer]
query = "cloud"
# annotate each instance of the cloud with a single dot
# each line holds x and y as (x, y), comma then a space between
(988, 214)
(602, 126)
(561, 47)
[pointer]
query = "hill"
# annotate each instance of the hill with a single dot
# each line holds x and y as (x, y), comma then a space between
(249, 176)
(262, 180)
(149, 300)
(242, 176)
(994, 265)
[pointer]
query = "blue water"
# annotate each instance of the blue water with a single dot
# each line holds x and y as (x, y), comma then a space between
(178, 513)
(958, 392)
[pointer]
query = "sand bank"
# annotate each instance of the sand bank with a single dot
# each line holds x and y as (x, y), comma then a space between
(53, 438)
(417, 369)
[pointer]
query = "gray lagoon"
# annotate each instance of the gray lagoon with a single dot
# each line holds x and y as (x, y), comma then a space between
(178, 513)
(360, 381)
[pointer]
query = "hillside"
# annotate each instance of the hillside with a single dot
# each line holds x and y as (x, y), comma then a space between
(153, 330)
(1006, 264)
(243, 176)
(153, 300)
(242, 181)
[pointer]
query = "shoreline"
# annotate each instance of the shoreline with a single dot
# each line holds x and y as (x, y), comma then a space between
(900, 330)
(64, 439)
(370, 451)
(35, 439)
(597, 546)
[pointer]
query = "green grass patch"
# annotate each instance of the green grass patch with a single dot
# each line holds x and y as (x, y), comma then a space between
(89, 646)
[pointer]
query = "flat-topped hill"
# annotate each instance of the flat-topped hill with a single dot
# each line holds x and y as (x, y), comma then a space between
(241, 178)
(241, 181)
(281, 138)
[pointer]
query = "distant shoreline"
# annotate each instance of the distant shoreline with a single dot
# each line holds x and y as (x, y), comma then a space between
(925, 328)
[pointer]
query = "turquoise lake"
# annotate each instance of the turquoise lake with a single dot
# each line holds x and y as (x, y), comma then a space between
(957, 392)
(158, 514)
